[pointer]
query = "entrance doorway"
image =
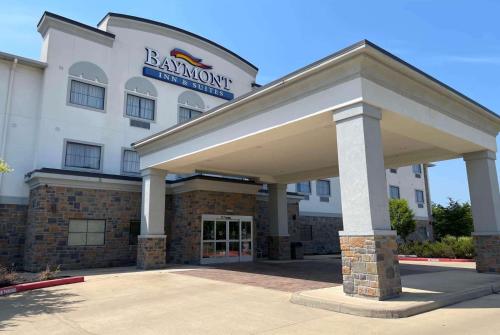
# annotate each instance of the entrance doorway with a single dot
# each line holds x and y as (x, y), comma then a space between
(226, 239)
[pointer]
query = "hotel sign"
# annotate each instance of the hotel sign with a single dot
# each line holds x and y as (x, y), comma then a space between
(183, 69)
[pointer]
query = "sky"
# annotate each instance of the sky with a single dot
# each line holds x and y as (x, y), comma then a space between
(458, 42)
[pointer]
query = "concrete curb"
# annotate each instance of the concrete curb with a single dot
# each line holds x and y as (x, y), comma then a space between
(441, 260)
(40, 284)
(373, 310)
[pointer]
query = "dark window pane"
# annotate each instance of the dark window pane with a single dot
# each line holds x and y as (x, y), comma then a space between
(208, 230)
(234, 249)
(134, 231)
(246, 230)
(220, 230)
(220, 249)
(234, 230)
(140, 107)
(83, 156)
(323, 187)
(208, 249)
(85, 94)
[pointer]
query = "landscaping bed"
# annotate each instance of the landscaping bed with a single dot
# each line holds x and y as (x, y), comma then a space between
(449, 247)
(12, 281)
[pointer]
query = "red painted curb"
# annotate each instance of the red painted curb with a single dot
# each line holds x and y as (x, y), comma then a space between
(40, 284)
(423, 259)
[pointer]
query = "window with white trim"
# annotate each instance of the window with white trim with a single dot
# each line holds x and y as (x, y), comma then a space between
(140, 107)
(394, 192)
(86, 232)
(130, 161)
(83, 156)
(323, 188)
(304, 187)
(186, 114)
(85, 94)
(419, 197)
(417, 170)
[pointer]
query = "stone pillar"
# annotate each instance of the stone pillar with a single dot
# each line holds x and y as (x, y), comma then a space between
(370, 265)
(485, 202)
(279, 240)
(151, 248)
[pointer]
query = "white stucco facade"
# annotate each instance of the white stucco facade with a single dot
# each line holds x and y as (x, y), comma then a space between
(36, 129)
(40, 119)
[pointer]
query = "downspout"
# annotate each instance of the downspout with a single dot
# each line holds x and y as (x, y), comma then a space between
(428, 194)
(6, 118)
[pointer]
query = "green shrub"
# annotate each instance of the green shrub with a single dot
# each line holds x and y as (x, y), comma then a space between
(448, 247)
(401, 217)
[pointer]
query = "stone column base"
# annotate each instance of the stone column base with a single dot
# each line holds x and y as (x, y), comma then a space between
(151, 251)
(279, 247)
(487, 253)
(370, 266)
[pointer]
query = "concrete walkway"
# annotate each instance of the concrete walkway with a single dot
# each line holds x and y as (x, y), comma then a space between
(421, 293)
(124, 301)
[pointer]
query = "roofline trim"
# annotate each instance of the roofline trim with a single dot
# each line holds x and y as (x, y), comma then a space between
(250, 95)
(75, 23)
(299, 73)
(428, 76)
(101, 175)
(23, 60)
(164, 25)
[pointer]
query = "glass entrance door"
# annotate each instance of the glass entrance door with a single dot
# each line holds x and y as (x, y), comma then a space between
(226, 239)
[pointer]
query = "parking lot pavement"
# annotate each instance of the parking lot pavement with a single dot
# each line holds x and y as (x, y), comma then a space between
(166, 302)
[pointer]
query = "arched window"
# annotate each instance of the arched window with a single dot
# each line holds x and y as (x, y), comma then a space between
(87, 86)
(140, 99)
(191, 105)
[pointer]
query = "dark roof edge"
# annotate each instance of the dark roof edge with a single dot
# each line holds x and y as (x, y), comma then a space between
(428, 76)
(132, 178)
(164, 25)
(83, 174)
(76, 23)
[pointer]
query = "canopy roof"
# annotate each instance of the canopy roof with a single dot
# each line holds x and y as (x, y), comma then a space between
(284, 131)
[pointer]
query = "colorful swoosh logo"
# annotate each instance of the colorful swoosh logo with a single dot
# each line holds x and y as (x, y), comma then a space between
(179, 53)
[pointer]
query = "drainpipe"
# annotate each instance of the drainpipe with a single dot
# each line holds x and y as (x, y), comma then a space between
(428, 194)
(6, 118)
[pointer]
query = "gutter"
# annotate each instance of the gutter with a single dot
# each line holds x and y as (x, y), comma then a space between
(6, 118)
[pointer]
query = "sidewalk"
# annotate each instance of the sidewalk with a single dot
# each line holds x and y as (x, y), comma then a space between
(421, 293)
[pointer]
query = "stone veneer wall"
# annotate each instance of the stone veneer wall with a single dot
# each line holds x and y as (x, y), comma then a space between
(183, 219)
(325, 234)
(487, 253)
(370, 266)
(50, 210)
(325, 230)
(12, 234)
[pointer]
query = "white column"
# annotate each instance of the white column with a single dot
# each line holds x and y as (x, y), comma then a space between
(153, 202)
(484, 194)
(278, 210)
(363, 183)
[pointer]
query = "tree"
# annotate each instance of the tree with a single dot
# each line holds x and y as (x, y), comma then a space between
(401, 217)
(4, 167)
(454, 219)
